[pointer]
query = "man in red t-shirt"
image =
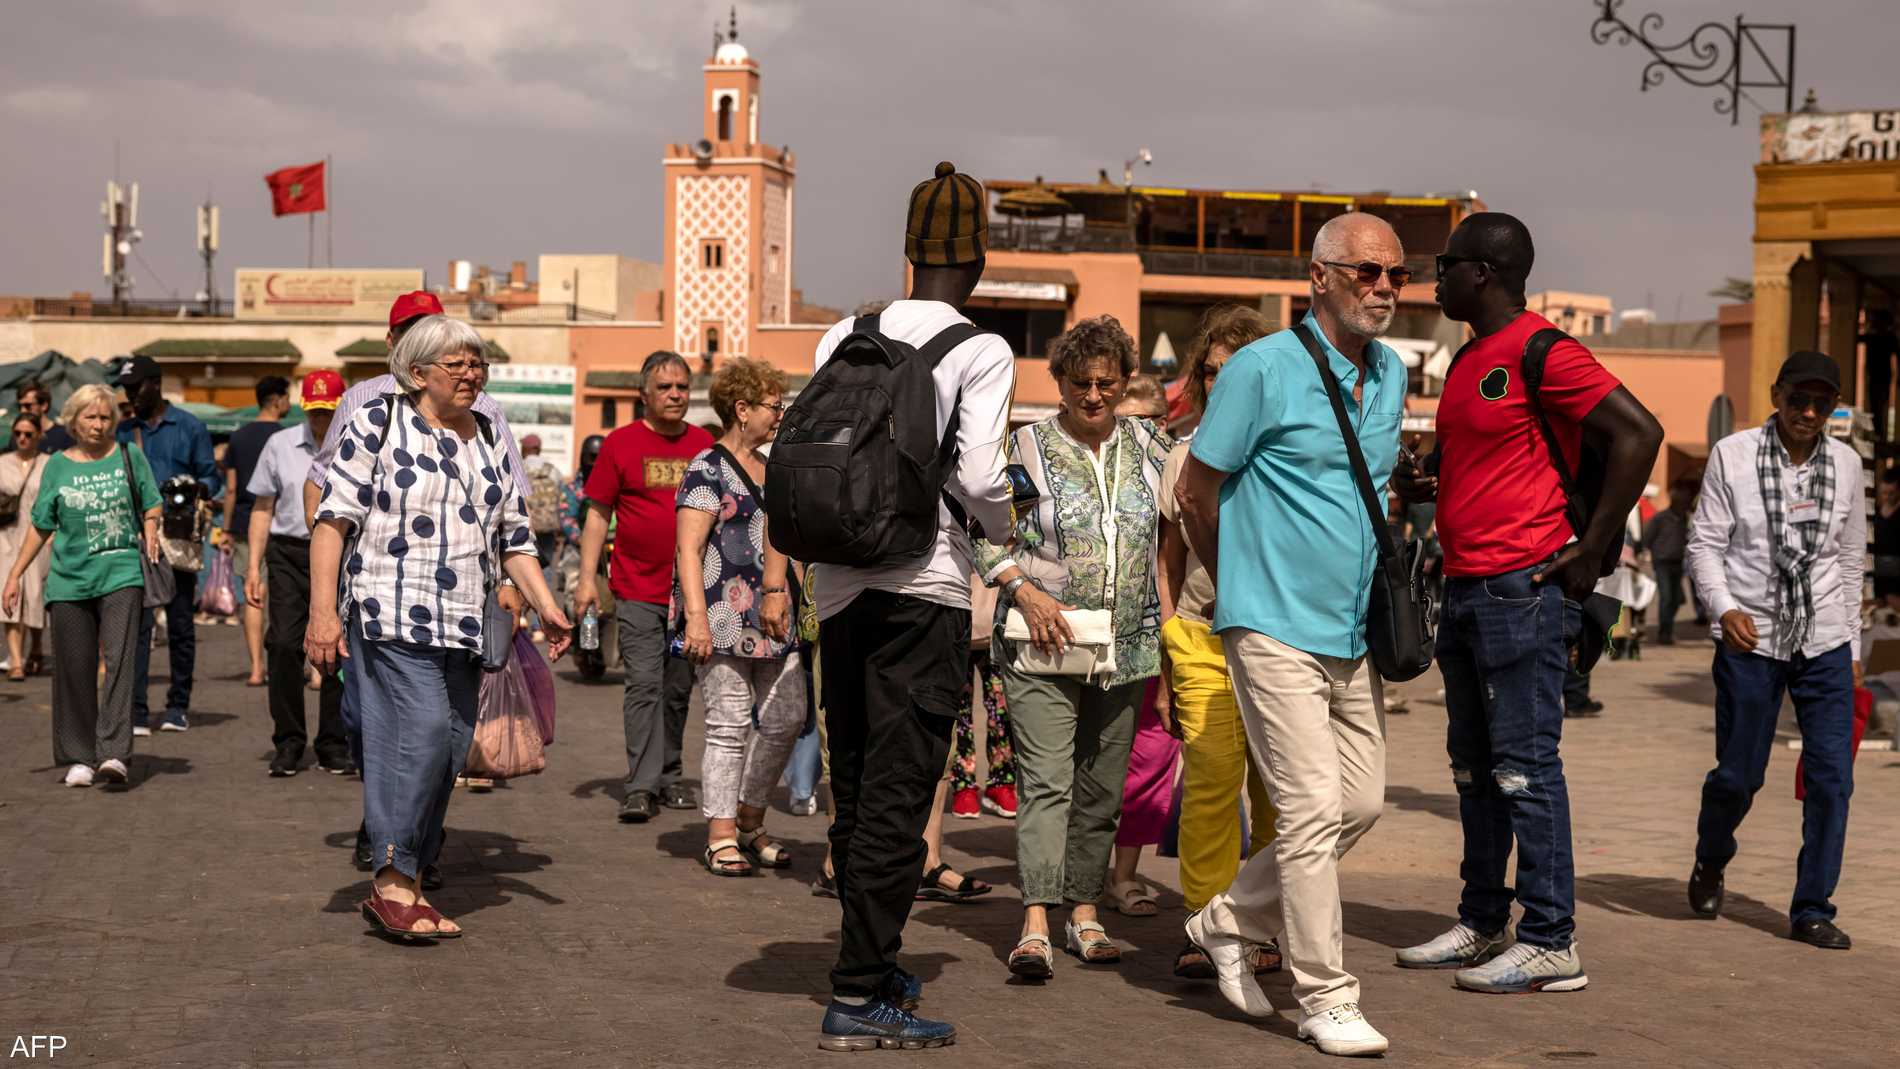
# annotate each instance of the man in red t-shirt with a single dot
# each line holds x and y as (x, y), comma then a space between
(1516, 575)
(634, 481)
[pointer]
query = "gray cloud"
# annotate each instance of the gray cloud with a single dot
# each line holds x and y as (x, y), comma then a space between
(493, 132)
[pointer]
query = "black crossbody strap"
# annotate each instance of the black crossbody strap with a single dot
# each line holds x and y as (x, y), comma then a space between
(1381, 533)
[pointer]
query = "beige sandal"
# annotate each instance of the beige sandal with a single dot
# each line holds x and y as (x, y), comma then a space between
(1131, 899)
(1101, 951)
(1033, 959)
(769, 856)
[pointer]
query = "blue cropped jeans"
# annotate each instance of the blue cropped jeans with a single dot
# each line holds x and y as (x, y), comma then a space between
(1503, 646)
(416, 705)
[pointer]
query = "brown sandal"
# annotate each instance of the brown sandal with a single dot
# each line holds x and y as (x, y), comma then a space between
(435, 915)
(396, 918)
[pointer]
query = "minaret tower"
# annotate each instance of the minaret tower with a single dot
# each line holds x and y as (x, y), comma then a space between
(728, 227)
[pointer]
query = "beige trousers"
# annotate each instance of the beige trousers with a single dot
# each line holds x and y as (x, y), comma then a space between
(1316, 728)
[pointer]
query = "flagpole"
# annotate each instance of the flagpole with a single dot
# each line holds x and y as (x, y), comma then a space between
(310, 248)
(329, 219)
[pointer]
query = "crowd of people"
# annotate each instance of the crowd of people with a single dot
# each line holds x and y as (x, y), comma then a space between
(1159, 635)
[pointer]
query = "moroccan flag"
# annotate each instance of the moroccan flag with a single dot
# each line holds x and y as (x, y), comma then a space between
(296, 189)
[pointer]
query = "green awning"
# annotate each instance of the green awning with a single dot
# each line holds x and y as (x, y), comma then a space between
(220, 348)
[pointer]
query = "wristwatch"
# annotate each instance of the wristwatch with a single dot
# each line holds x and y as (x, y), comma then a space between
(1010, 588)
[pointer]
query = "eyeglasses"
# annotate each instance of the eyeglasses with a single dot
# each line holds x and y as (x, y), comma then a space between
(1368, 272)
(1445, 261)
(1803, 401)
(1105, 387)
(456, 369)
(776, 406)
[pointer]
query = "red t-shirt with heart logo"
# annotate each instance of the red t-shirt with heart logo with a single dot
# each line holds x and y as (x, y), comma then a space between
(1500, 504)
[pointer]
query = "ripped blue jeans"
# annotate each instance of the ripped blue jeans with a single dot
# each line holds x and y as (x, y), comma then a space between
(1503, 646)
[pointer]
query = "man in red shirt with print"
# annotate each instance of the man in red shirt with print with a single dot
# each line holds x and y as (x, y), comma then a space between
(635, 481)
(1516, 576)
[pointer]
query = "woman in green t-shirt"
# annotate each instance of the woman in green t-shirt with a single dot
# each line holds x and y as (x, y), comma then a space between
(95, 590)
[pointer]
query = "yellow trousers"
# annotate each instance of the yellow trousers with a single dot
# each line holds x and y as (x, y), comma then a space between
(1215, 764)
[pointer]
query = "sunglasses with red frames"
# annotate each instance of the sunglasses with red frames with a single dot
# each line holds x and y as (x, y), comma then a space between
(1368, 272)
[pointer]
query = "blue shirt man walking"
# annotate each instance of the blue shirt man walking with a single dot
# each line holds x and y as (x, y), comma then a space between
(1270, 506)
(176, 443)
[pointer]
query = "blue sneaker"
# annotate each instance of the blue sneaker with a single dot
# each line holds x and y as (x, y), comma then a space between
(174, 721)
(880, 1023)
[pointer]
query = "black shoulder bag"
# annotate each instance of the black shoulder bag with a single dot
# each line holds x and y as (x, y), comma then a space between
(1398, 611)
(161, 583)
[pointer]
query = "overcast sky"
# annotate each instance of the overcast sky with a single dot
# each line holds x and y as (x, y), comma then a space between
(495, 131)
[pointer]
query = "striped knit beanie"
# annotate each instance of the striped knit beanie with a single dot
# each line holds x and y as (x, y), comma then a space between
(948, 222)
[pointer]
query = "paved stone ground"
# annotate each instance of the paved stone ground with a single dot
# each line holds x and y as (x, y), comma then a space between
(207, 917)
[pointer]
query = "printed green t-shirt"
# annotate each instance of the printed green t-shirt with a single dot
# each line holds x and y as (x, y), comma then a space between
(86, 507)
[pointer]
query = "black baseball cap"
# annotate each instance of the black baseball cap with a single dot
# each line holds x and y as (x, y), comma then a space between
(1809, 366)
(134, 372)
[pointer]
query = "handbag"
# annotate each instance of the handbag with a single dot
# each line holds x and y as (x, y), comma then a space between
(161, 583)
(1091, 650)
(1399, 636)
(10, 503)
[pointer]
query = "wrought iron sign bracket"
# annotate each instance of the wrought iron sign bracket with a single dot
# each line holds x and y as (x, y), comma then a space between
(1732, 58)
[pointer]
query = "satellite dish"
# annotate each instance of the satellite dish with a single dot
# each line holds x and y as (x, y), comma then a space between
(1721, 419)
(702, 150)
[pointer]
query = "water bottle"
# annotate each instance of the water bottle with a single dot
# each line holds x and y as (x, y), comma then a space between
(590, 629)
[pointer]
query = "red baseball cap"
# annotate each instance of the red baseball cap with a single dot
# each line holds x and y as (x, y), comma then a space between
(410, 305)
(322, 389)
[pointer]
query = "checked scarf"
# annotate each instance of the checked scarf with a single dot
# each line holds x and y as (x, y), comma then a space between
(1794, 561)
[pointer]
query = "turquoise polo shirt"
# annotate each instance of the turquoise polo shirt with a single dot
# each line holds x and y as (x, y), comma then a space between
(1296, 545)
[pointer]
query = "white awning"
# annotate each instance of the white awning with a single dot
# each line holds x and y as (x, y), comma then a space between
(1414, 351)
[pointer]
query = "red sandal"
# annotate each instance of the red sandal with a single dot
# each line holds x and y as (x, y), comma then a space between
(433, 914)
(397, 919)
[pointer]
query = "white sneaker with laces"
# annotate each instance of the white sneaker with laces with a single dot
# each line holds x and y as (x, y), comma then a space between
(1342, 1030)
(111, 770)
(1233, 967)
(1525, 968)
(140, 731)
(1460, 948)
(79, 776)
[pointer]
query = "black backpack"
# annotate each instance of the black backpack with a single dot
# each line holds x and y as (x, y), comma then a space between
(856, 473)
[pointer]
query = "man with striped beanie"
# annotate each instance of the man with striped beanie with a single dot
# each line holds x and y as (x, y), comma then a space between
(894, 638)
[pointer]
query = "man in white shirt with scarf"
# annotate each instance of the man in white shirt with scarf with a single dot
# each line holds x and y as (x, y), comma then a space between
(1779, 551)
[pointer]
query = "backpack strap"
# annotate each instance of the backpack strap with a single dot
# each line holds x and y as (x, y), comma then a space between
(1536, 353)
(1361, 475)
(943, 344)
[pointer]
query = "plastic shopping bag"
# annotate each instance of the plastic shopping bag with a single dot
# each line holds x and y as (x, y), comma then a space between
(217, 595)
(540, 682)
(507, 740)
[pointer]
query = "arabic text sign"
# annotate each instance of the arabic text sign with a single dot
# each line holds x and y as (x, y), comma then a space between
(321, 293)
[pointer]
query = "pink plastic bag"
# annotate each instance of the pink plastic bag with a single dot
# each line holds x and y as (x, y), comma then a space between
(217, 597)
(507, 741)
(540, 683)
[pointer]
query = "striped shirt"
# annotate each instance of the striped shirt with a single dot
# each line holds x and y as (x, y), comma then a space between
(426, 507)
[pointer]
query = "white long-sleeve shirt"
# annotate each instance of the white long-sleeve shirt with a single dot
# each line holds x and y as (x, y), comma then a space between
(975, 381)
(1731, 557)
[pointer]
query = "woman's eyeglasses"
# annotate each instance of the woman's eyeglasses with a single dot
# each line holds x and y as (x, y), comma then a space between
(1105, 387)
(776, 406)
(456, 369)
(1368, 272)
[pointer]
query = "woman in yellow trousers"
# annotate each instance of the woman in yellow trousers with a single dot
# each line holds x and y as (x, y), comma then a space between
(1214, 759)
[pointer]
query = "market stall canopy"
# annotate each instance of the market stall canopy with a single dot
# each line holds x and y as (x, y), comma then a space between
(221, 348)
(378, 349)
(54, 370)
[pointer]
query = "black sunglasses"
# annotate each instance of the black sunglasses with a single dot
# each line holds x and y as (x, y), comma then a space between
(1368, 272)
(1803, 401)
(1445, 261)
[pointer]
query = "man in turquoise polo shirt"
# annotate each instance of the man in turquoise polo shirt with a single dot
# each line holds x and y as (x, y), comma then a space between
(1269, 489)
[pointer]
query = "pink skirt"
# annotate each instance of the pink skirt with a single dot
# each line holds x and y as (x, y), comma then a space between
(1148, 796)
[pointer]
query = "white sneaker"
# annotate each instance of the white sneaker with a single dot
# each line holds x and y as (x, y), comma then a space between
(1460, 948)
(1342, 1030)
(111, 770)
(1525, 968)
(804, 807)
(1233, 967)
(141, 731)
(79, 776)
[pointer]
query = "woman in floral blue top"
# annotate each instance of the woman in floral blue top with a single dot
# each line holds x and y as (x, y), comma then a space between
(1088, 543)
(720, 570)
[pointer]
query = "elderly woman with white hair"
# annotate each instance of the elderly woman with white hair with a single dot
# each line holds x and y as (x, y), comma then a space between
(101, 501)
(421, 514)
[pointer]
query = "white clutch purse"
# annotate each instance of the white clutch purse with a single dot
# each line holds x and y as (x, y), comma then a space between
(1092, 652)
